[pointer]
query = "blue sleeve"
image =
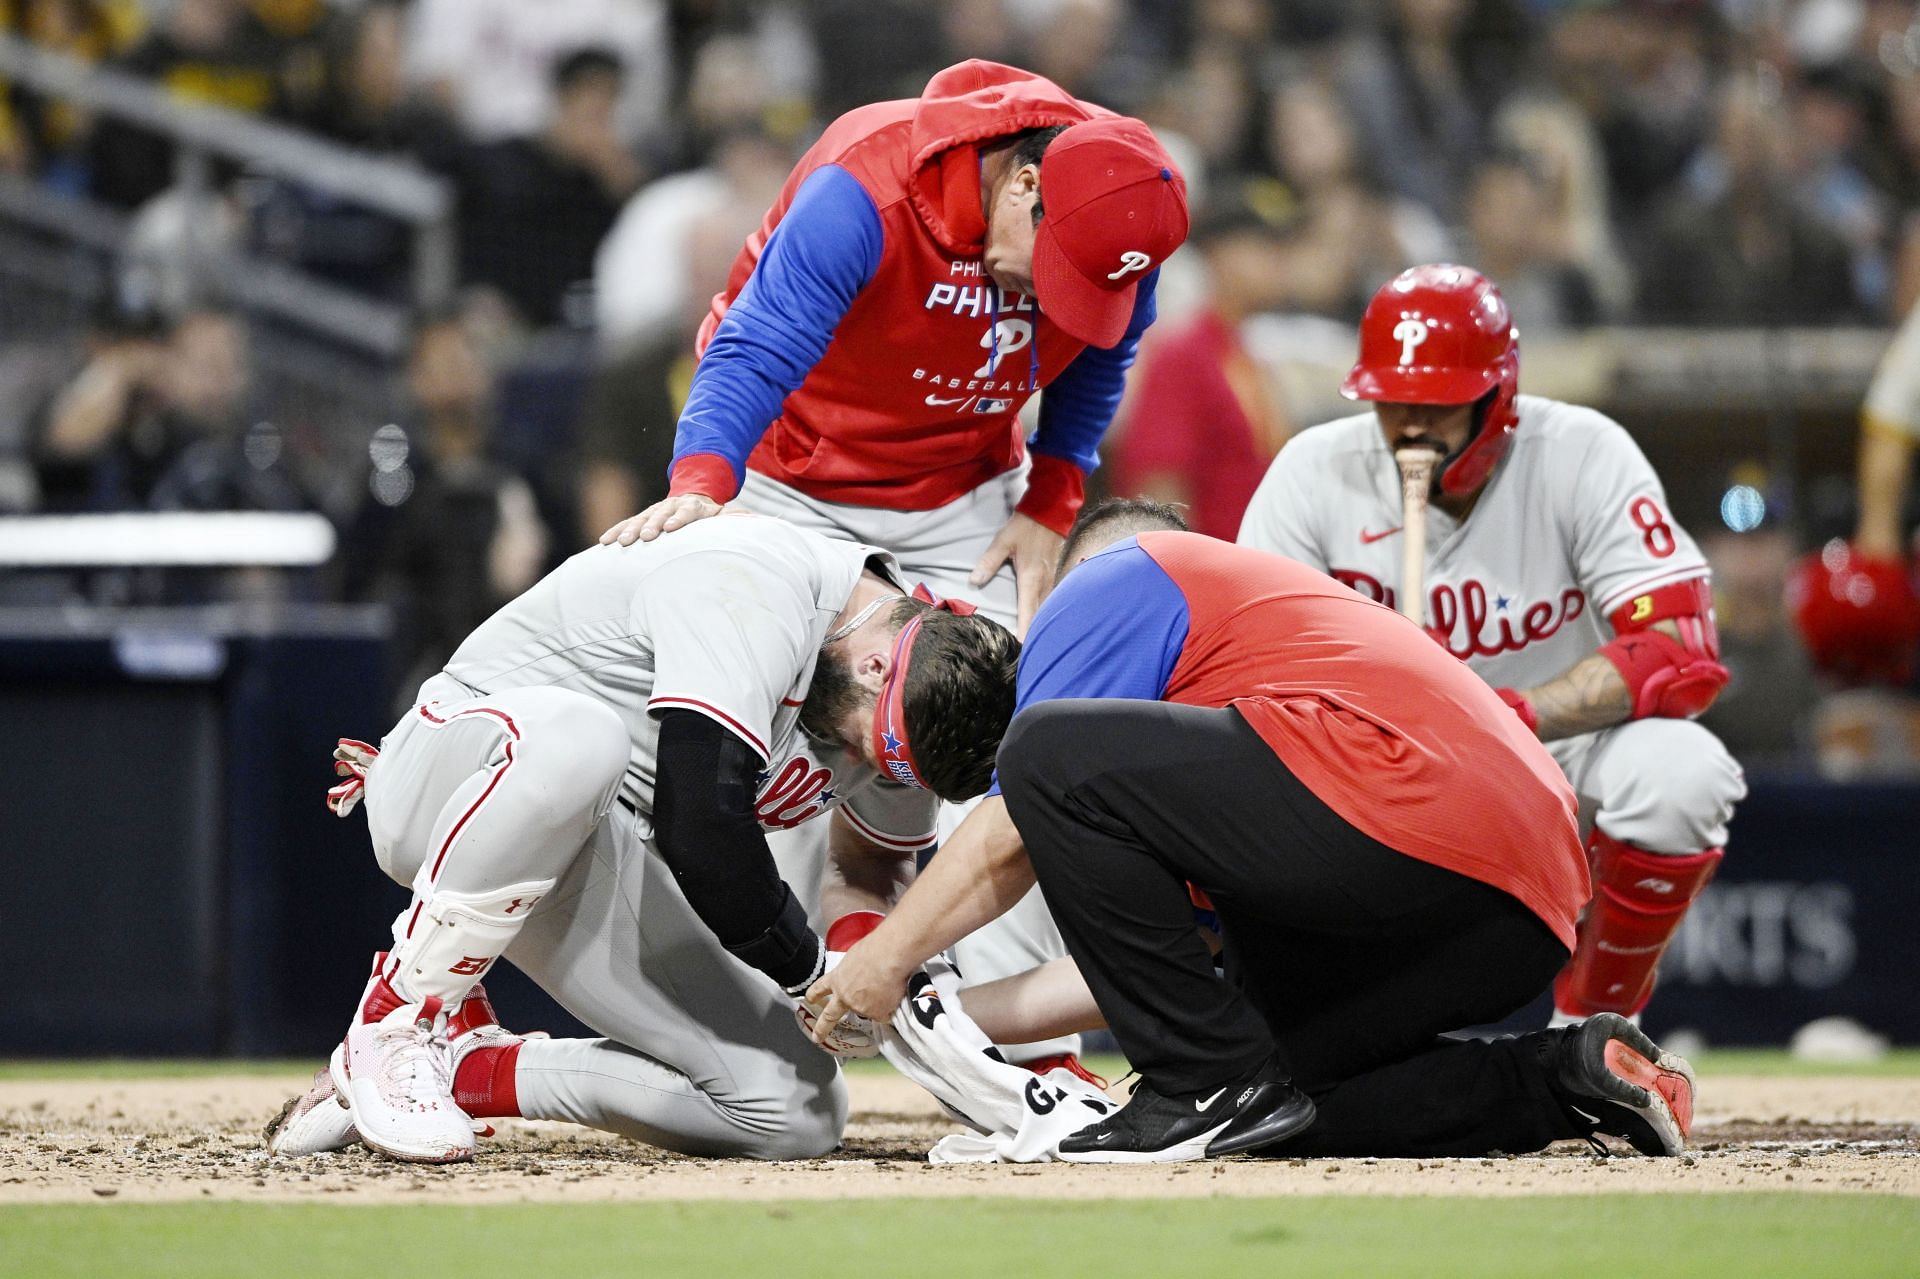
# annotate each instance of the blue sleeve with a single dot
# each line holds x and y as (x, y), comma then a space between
(823, 252)
(1114, 627)
(1079, 405)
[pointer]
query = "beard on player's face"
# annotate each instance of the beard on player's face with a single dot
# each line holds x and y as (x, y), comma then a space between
(833, 695)
(1444, 428)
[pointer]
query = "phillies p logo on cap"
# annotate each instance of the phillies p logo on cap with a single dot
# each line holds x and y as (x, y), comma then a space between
(1114, 208)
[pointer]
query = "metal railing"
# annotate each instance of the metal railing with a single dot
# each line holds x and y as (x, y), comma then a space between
(200, 134)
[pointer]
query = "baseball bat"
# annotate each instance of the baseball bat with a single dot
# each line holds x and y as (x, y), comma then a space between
(1416, 462)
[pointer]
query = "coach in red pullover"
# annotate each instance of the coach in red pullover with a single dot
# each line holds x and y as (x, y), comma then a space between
(930, 265)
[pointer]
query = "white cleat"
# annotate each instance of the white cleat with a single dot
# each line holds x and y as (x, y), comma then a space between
(320, 1120)
(316, 1122)
(397, 1076)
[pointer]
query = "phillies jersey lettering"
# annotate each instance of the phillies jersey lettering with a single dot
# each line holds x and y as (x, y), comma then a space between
(797, 791)
(1572, 524)
(977, 300)
(820, 778)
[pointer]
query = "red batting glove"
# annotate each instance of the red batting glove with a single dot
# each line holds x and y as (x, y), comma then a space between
(352, 759)
(1522, 707)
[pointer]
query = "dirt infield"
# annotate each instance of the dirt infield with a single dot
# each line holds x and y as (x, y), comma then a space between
(197, 1138)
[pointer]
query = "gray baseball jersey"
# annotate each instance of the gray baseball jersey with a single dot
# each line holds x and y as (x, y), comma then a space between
(1572, 524)
(726, 618)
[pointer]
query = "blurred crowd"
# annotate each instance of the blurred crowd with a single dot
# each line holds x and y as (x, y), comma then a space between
(1683, 161)
(1667, 162)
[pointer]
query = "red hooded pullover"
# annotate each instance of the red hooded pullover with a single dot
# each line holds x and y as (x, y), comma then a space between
(915, 400)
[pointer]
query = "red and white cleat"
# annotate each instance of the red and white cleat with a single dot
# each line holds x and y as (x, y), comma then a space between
(319, 1120)
(396, 1072)
(314, 1123)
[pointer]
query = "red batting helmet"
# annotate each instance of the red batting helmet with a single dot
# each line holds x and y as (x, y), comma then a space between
(1442, 335)
(1859, 615)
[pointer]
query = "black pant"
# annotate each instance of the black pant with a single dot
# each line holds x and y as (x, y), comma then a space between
(1345, 958)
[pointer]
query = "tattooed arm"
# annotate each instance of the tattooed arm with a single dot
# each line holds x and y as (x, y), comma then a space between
(1589, 697)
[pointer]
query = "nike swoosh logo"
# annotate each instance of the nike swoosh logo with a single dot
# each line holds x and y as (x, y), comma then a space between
(938, 403)
(1592, 1119)
(1200, 1107)
(1367, 539)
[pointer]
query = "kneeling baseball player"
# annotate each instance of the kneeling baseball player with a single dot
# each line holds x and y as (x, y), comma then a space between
(1390, 853)
(586, 787)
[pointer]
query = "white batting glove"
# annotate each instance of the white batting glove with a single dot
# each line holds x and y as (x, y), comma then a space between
(352, 759)
(855, 1036)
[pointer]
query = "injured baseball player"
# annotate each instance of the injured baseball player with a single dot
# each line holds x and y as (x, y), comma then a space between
(1390, 854)
(585, 789)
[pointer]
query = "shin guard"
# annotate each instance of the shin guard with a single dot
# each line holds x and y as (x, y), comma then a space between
(1639, 899)
(445, 942)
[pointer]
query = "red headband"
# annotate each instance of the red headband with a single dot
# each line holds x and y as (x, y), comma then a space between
(890, 711)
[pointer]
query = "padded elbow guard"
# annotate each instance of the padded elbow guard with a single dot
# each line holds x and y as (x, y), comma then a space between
(1668, 678)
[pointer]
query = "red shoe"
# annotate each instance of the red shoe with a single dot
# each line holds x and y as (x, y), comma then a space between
(1617, 1082)
(1067, 1062)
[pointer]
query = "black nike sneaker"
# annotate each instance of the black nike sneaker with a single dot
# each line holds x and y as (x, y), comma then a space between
(1615, 1082)
(1154, 1128)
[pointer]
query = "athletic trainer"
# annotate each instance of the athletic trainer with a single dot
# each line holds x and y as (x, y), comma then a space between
(1390, 853)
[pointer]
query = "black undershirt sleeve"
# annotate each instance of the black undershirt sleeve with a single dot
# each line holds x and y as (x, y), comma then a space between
(704, 824)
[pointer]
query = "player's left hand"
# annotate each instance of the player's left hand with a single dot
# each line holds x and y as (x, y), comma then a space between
(1035, 551)
(866, 983)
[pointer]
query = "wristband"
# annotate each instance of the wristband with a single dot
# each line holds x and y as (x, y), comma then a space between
(1056, 490)
(707, 474)
(1522, 707)
(850, 928)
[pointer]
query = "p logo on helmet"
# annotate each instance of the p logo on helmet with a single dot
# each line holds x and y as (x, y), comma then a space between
(1409, 333)
(1442, 335)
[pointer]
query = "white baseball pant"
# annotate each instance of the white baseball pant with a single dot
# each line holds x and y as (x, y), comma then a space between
(700, 1052)
(1661, 785)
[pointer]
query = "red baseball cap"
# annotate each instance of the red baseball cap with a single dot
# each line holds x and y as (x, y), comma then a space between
(1114, 208)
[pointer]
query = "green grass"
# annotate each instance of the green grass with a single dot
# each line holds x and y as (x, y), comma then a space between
(1674, 1236)
(1773, 1061)
(149, 1067)
(1901, 1062)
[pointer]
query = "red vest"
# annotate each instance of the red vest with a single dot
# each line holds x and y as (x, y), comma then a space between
(1388, 729)
(916, 401)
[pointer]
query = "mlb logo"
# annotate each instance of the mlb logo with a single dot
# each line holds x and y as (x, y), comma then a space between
(991, 406)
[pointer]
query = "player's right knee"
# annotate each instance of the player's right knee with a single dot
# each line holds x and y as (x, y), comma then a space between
(812, 1124)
